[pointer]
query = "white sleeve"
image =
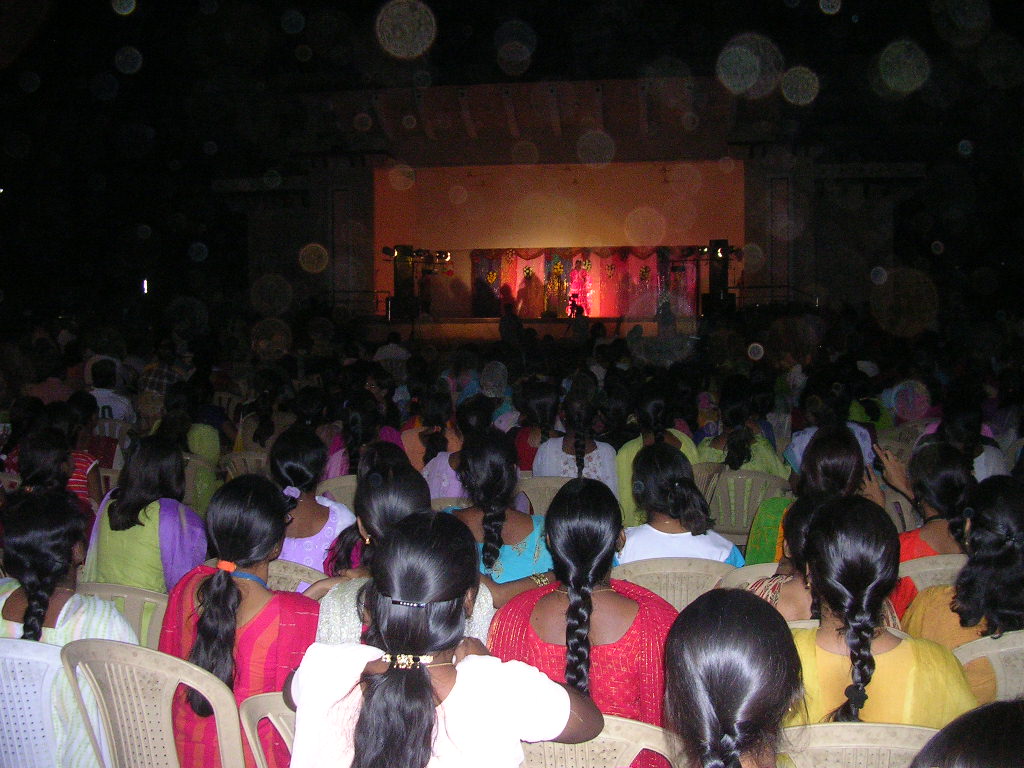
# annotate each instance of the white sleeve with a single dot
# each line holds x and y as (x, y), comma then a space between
(536, 708)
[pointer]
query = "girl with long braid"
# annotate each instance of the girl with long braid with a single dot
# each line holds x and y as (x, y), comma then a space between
(44, 543)
(602, 637)
(577, 454)
(419, 693)
(226, 619)
(655, 418)
(853, 669)
(511, 542)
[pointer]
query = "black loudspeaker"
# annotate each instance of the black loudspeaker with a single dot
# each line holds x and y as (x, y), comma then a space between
(404, 304)
(718, 267)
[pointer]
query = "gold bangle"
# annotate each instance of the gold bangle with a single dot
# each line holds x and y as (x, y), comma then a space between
(540, 579)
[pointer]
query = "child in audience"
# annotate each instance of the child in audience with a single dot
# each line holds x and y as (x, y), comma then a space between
(226, 619)
(605, 638)
(297, 460)
(732, 674)
(851, 670)
(678, 521)
(44, 544)
(511, 542)
(419, 693)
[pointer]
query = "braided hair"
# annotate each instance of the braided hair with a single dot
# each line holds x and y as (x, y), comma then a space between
(40, 533)
(653, 413)
(583, 526)
(435, 412)
(487, 470)
(736, 409)
(853, 555)
(579, 413)
(246, 521)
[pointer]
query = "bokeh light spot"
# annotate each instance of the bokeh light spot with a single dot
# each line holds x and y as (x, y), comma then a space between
(595, 148)
(104, 86)
(293, 21)
(29, 82)
(800, 86)
(128, 60)
(401, 177)
(904, 66)
(271, 294)
(458, 194)
(362, 122)
(645, 226)
(143, 231)
(965, 147)
(123, 7)
(409, 122)
(272, 179)
(406, 28)
(906, 304)
(210, 148)
(303, 53)
(830, 7)
(313, 258)
(755, 351)
(879, 275)
(753, 258)
(691, 121)
(750, 64)
(938, 247)
(198, 252)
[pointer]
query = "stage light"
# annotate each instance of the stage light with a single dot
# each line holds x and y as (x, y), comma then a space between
(145, 286)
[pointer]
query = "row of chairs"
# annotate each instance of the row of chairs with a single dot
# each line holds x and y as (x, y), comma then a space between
(134, 688)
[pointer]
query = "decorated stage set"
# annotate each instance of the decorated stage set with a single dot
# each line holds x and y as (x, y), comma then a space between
(612, 242)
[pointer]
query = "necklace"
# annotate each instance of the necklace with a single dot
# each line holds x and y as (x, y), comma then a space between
(251, 577)
(565, 590)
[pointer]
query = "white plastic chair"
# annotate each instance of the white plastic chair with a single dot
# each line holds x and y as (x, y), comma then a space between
(741, 578)
(28, 672)
(342, 489)
(266, 706)
(1006, 655)
(134, 690)
(132, 602)
(934, 571)
(679, 580)
(541, 490)
(854, 745)
(617, 745)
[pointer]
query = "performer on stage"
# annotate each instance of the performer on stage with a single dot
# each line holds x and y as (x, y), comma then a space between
(579, 286)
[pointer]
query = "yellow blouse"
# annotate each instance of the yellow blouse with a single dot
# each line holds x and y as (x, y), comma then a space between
(930, 617)
(916, 683)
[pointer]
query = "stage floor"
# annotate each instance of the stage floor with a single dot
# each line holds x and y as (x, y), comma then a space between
(452, 330)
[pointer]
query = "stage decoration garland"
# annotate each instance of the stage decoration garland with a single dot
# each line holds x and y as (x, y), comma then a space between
(586, 264)
(528, 272)
(491, 277)
(645, 274)
(609, 269)
(556, 267)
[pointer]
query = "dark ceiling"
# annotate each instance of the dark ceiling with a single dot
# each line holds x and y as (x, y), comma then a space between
(113, 124)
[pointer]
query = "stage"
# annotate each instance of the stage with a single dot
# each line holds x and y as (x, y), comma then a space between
(449, 331)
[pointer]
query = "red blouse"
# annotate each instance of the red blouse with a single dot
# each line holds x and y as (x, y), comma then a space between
(912, 546)
(627, 677)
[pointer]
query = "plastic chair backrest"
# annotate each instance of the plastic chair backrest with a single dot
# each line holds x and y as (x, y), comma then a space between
(741, 578)
(706, 475)
(10, 481)
(134, 689)
(899, 510)
(342, 489)
(541, 490)
(804, 624)
(854, 745)
(736, 499)
(286, 576)
(1006, 655)
(617, 745)
(28, 672)
(244, 463)
(108, 479)
(266, 706)
(679, 580)
(442, 503)
(132, 602)
(934, 571)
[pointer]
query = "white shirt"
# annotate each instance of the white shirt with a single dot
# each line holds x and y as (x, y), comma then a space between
(990, 462)
(599, 464)
(645, 543)
(113, 405)
(491, 708)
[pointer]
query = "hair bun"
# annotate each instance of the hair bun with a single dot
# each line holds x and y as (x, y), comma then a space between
(857, 695)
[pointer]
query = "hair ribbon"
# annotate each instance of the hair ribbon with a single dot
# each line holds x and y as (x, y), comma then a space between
(405, 660)
(226, 565)
(291, 491)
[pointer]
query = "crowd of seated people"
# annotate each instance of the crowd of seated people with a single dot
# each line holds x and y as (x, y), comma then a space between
(448, 616)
